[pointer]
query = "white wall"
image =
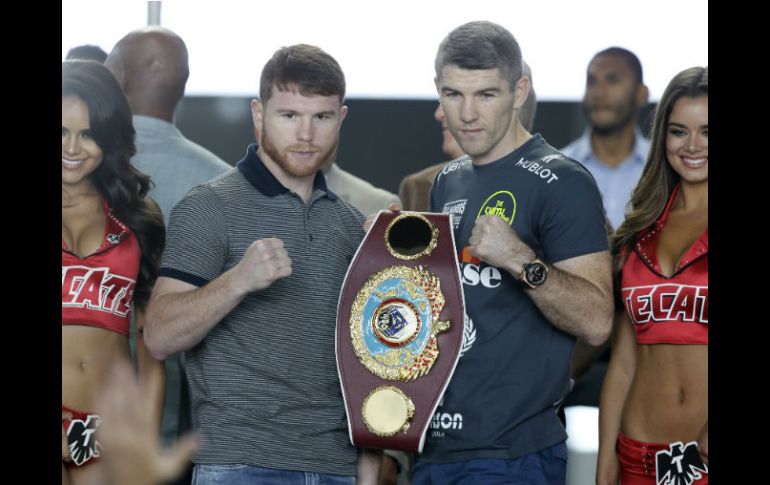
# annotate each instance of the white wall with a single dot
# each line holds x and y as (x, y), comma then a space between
(387, 48)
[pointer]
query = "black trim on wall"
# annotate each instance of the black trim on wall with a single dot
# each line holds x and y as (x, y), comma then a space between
(382, 140)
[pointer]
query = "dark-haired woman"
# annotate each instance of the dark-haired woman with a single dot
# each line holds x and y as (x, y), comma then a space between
(653, 421)
(112, 239)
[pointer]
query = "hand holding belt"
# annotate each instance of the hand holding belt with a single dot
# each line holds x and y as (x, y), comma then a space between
(399, 329)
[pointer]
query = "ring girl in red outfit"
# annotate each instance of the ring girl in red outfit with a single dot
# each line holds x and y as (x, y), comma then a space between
(653, 414)
(112, 239)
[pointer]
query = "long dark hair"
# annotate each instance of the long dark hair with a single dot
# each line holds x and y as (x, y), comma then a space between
(658, 179)
(118, 182)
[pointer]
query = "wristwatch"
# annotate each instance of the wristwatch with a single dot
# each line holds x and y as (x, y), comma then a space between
(534, 274)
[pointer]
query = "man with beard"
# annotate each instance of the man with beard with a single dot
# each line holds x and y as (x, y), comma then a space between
(358, 192)
(613, 148)
(248, 288)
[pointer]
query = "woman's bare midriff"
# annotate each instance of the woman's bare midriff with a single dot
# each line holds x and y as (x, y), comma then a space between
(668, 398)
(88, 353)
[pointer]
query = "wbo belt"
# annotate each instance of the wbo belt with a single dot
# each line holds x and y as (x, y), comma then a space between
(399, 330)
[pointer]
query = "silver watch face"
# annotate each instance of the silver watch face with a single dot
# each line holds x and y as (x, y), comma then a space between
(535, 273)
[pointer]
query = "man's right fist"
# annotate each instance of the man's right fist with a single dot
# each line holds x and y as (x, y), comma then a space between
(265, 262)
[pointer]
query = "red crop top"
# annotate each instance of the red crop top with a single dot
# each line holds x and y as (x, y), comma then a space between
(97, 290)
(665, 310)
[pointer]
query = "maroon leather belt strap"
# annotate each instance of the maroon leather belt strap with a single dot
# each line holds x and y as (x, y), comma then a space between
(399, 329)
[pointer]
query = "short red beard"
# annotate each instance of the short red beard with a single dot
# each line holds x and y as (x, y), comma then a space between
(282, 158)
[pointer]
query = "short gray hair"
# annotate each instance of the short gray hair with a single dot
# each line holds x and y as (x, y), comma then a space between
(481, 45)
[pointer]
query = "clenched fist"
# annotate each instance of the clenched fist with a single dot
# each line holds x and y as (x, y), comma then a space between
(265, 262)
(497, 244)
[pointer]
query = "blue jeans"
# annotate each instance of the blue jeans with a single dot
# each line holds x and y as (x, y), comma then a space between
(545, 467)
(256, 475)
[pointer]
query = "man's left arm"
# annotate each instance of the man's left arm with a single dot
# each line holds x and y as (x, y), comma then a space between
(577, 294)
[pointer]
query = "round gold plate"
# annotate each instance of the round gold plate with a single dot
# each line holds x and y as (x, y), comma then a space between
(387, 411)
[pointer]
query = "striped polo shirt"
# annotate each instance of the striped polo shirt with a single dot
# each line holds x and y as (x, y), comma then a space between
(263, 382)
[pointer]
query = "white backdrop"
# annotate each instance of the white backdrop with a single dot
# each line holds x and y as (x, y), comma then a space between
(387, 48)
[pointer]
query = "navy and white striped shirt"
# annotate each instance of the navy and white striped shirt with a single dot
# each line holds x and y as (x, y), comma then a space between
(263, 382)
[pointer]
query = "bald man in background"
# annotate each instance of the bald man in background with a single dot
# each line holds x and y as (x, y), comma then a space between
(152, 68)
(414, 188)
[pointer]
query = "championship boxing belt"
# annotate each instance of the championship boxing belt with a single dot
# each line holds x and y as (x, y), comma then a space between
(399, 329)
